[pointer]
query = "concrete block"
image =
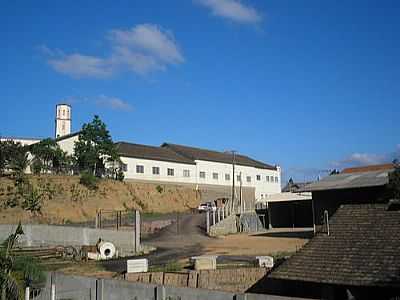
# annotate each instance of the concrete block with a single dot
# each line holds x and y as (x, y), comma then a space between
(265, 261)
(206, 262)
(137, 265)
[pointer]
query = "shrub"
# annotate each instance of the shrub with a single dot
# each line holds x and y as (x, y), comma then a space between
(32, 201)
(159, 189)
(120, 175)
(89, 180)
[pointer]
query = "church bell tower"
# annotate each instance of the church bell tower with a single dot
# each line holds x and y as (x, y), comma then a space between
(63, 120)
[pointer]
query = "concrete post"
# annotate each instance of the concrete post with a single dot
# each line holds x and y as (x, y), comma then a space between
(223, 213)
(218, 214)
(207, 221)
(137, 231)
(241, 297)
(269, 217)
(53, 292)
(160, 292)
(213, 216)
(97, 220)
(27, 292)
(99, 289)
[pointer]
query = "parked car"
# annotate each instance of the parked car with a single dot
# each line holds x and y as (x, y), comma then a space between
(206, 206)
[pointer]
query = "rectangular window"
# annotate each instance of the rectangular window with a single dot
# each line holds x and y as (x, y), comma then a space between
(258, 177)
(215, 175)
(248, 178)
(186, 173)
(202, 174)
(124, 167)
(272, 178)
(227, 176)
(267, 178)
(156, 170)
(276, 179)
(170, 172)
(139, 169)
(238, 178)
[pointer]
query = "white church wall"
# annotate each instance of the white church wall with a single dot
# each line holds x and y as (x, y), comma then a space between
(67, 144)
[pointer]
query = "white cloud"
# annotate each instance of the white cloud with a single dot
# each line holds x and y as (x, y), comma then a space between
(78, 65)
(113, 103)
(363, 159)
(142, 49)
(233, 10)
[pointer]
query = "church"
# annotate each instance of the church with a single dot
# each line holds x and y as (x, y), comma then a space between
(211, 171)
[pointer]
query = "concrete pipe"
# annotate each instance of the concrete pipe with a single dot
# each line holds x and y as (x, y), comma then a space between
(106, 250)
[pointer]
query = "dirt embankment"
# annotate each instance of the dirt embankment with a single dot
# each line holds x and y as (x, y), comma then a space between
(65, 200)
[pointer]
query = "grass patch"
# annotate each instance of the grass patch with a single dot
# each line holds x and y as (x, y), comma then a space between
(172, 266)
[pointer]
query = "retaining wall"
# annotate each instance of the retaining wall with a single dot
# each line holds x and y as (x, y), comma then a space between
(228, 280)
(53, 235)
(224, 227)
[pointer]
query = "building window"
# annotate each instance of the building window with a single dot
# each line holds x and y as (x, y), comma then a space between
(262, 196)
(124, 167)
(63, 112)
(170, 172)
(202, 174)
(139, 169)
(276, 179)
(272, 178)
(227, 176)
(215, 176)
(238, 178)
(258, 177)
(186, 173)
(248, 178)
(267, 178)
(156, 171)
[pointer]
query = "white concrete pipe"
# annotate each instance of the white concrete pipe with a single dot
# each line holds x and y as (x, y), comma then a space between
(106, 250)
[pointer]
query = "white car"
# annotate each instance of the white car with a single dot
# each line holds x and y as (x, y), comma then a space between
(207, 206)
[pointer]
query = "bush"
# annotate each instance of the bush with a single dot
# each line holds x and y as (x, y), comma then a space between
(32, 201)
(120, 175)
(89, 180)
(159, 189)
(36, 167)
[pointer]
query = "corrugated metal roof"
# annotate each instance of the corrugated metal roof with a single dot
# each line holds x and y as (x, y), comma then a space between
(349, 181)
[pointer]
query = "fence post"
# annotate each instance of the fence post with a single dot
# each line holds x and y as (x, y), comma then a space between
(137, 231)
(207, 221)
(160, 292)
(53, 292)
(223, 213)
(218, 214)
(99, 289)
(27, 293)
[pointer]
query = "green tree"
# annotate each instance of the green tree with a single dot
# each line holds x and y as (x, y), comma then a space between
(17, 272)
(13, 156)
(94, 148)
(51, 157)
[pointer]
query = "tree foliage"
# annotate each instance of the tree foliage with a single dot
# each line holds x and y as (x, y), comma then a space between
(48, 156)
(94, 148)
(13, 157)
(16, 272)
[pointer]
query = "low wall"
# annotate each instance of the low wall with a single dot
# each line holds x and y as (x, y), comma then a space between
(224, 227)
(53, 235)
(90, 288)
(228, 280)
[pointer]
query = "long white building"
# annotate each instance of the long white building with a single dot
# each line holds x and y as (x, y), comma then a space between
(178, 164)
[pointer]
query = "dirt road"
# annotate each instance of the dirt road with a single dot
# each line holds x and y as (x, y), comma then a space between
(177, 243)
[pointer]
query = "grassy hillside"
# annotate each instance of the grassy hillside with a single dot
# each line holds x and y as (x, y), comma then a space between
(65, 200)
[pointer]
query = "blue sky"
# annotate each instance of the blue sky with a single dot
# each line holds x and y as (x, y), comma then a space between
(309, 85)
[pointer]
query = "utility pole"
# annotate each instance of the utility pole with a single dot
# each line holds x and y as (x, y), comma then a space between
(233, 179)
